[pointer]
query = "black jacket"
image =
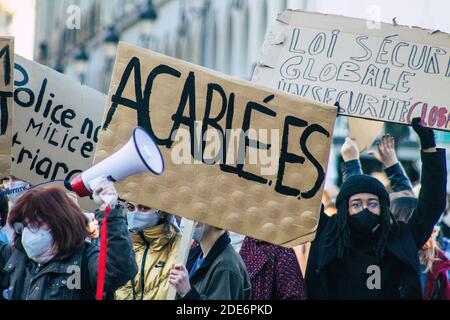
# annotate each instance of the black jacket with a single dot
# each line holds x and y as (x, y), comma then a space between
(73, 277)
(404, 242)
(221, 276)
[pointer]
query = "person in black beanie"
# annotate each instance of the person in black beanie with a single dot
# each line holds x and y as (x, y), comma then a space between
(362, 252)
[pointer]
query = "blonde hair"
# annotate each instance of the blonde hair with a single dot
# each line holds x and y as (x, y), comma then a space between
(429, 256)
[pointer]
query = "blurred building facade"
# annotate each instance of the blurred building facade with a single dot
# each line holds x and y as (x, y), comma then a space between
(17, 18)
(224, 35)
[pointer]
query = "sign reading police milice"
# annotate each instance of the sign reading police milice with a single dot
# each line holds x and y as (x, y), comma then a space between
(168, 96)
(56, 125)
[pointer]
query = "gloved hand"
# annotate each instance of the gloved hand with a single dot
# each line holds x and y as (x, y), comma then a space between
(103, 192)
(426, 135)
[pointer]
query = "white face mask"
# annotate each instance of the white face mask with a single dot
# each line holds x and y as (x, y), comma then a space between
(139, 220)
(199, 232)
(38, 244)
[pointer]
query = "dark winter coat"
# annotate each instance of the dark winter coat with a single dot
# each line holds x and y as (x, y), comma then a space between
(221, 276)
(73, 277)
(404, 242)
(274, 271)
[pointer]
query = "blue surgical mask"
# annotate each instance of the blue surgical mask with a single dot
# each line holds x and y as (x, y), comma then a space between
(138, 220)
(199, 232)
(38, 244)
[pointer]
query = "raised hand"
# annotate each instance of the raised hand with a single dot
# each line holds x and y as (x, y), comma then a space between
(349, 150)
(426, 135)
(385, 152)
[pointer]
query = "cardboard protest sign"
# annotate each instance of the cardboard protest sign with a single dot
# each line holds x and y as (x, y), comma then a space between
(390, 74)
(56, 124)
(364, 132)
(237, 156)
(6, 102)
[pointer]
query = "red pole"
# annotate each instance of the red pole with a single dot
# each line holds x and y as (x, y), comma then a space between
(102, 257)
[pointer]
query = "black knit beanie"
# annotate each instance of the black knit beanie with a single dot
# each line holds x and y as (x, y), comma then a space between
(362, 183)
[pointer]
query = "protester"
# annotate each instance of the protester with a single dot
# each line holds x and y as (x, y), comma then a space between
(49, 247)
(155, 240)
(214, 269)
(274, 271)
(434, 267)
(362, 252)
(433, 263)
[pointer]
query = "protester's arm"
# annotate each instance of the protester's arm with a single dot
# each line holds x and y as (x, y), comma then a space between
(121, 264)
(398, 179)
(385, 153)
(120, 259)
(350, 155)
(432, 196)
(289, 281)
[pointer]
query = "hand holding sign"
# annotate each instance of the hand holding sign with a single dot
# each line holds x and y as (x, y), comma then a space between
(179, 278)
(426, 135)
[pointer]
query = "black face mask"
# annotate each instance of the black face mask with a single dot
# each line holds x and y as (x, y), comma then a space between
(365, 222)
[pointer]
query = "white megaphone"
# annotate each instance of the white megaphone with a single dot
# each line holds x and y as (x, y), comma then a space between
(140, 154)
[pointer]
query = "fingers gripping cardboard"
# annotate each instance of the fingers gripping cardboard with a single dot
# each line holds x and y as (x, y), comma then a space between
(219, 183)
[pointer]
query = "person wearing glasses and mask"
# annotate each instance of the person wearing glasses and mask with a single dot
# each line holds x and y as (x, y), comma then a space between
(362, 252)
(50, 259)
(155, 240)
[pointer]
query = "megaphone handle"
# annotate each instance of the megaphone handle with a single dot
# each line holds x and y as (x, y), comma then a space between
(101, 269)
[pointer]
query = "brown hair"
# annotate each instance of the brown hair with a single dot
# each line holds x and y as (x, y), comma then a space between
(69, 226)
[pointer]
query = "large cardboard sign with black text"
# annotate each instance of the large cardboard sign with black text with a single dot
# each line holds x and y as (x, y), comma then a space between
(56, 124)
(375, 71)
(237, 156)
(6, 102)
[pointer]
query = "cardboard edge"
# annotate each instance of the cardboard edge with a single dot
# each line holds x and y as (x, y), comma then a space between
(289, 15)
(300, 240)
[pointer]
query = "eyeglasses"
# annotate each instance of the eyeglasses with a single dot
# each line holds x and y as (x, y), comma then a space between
(19, 226)
(359, 205)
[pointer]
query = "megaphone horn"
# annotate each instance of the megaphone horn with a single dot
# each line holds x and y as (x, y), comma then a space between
(139, 154)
